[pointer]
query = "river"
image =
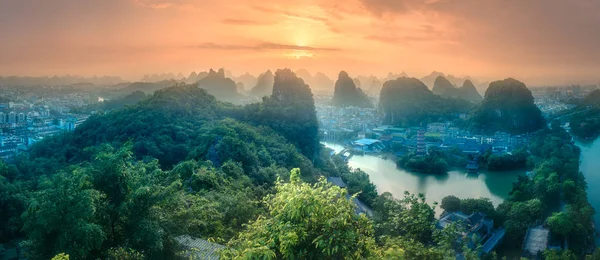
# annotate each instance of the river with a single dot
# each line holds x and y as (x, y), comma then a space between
(590, 167)
(387, 177)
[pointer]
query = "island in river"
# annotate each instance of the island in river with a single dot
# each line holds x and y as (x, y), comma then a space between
(389, 178)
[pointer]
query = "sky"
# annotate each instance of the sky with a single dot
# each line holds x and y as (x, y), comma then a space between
(537, 41)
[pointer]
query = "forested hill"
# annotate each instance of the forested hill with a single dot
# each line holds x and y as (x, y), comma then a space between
(585, 118)
(346, 93)
(178, 123)
(290, 110)
(408, 102)
(508, 106)
(178, 163)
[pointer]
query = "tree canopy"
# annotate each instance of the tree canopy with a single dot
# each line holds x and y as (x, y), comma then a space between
(306, 222)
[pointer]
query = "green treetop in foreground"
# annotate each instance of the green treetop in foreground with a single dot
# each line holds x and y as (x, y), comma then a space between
(306, 222)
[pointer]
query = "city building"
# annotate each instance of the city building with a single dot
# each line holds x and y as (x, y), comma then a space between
(536, 241)
(368, 145)
(421, 146)
(478, 229)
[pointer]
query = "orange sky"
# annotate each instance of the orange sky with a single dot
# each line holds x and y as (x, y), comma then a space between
(538, 41)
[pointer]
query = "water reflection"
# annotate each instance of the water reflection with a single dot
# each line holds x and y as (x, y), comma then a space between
(388, 178)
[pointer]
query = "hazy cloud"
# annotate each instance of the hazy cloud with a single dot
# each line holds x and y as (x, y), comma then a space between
(162, 4)
(233, 21)
(261, 47)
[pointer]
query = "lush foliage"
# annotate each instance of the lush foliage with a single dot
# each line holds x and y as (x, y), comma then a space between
(306, 222)
(434, 162)
(539, 196)
(450, 203)
(290, 111)
(517, 159)
(585, 119)
(117, 103)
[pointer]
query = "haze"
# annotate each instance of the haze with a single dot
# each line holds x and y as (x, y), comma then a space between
(537, 41)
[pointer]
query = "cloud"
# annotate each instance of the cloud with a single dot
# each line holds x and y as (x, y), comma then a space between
(163, 4)
(525, 31)
(233, 21)
(297, 14)
(380, 7)
(261, 47)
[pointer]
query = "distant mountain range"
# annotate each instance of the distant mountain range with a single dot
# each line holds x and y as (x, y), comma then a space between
(445, 88)
(321, 83)
(60, 80)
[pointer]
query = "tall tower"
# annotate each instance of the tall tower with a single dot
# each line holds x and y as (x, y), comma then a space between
(421, 148)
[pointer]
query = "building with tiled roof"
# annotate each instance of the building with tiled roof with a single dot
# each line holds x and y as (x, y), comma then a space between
(196, 248)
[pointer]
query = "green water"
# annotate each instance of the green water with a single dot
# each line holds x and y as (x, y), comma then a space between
(387, 177)
(590, 167)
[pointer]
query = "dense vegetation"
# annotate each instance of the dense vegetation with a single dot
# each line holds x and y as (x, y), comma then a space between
(179, 162)
(554, 194)
(517, 159)
(290, 111)
(508, 107)
(147, 87)
(127, 182)
(444, 88)
(113, 104)
(585, 118)
(408, 102)
(346, 93)
(434, 162)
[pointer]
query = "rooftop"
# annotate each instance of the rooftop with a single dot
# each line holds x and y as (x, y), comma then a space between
(201, 248)
(536, 240)
(366, 141)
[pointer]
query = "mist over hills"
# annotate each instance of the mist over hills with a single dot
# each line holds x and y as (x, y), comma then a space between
(218, 85)
(247, 79)
(264, 85)
(346, 93)
(60, 80)
(445, 88)
(319, 82)
(408, 102)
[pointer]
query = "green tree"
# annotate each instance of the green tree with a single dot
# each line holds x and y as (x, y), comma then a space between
(551, 254)
(61, 256)
(560, 223)
(61, 217)
(411, 217)
(451, 203)
(305, 222)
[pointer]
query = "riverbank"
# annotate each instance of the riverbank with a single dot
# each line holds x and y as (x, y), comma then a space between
(590, 168)
(385, 174)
